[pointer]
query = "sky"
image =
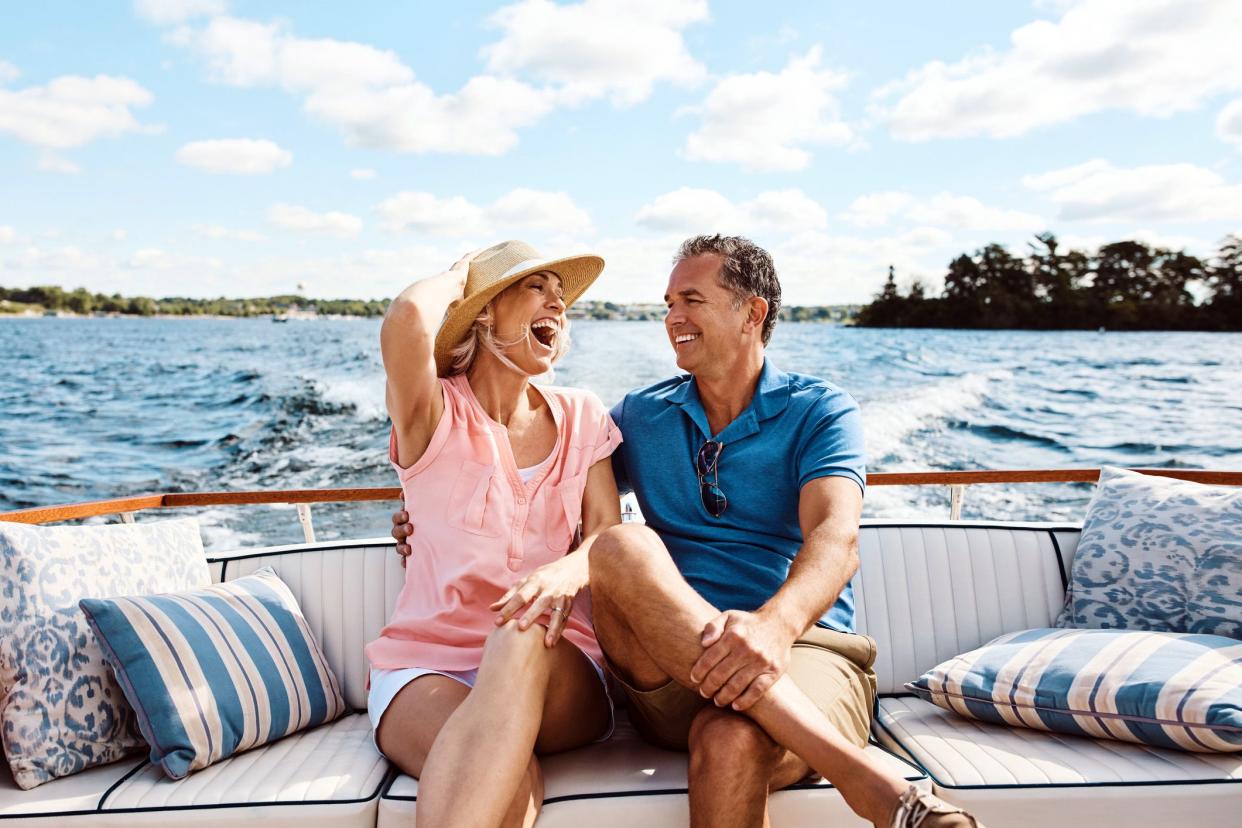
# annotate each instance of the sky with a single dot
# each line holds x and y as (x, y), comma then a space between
(231, 148)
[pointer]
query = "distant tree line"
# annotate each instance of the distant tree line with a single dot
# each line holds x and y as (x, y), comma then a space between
(1126, 285)
(84, 302)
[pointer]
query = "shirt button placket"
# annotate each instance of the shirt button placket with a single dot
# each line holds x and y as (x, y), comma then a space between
(519, 525)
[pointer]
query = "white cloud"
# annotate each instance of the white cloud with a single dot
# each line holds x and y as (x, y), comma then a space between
(159, 272)
(368, 93)
(942, 210)
(598, 48)
(1229, 124)
(1151, 57)
(814, 267)
(764, 121)
(119, 234)
(165, 12)
(689, 210)
(302, 220)
(1090, 243)
(70, 111)
(968, 213)
(362, 173)
(216, 231)
(153, 258)
(578, 53)
(8, 72)
(246, 156)
(554, 213)
(1099, 191)
(51, 162)
(820, 268)
(40, 263)
(7, 234)
(876, 209)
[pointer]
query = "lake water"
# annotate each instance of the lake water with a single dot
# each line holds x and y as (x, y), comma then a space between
(96, 408)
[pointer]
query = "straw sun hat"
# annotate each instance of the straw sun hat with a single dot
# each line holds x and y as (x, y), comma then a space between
(495, 269)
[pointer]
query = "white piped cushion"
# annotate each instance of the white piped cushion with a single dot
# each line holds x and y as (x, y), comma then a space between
(626, 782)
(1019, 777)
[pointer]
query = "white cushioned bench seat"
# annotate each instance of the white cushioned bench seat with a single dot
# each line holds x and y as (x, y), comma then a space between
(331, 775)
(627, 782)
(1021, 777)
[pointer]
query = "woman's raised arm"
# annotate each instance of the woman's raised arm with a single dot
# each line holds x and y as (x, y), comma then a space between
(407, 342)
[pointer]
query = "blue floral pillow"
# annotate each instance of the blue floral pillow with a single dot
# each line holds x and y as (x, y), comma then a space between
(1158, 554)
(61, 710)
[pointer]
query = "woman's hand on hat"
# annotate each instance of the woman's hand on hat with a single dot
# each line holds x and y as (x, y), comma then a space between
(464, 262)
(460, 268)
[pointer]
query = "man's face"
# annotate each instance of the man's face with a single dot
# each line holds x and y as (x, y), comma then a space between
(703, 326)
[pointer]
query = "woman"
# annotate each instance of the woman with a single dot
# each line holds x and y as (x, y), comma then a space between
(488, 660)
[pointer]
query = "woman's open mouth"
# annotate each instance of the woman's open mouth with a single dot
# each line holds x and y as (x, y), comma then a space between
(545, 331)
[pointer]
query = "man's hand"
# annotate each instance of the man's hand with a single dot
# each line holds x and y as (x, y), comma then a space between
(745, 653)
(402, 529)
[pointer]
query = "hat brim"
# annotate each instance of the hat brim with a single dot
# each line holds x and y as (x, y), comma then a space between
(576, 273)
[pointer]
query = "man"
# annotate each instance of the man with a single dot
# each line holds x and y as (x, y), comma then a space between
(728, 618)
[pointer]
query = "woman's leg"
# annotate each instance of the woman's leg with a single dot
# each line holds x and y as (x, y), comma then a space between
(482, 760)
(412, 722)
(414, 717)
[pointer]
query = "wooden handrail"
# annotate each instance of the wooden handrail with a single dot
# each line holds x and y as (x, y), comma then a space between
(95, 508)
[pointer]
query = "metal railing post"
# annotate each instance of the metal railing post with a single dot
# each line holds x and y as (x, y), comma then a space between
(956, 492)
(127, 517)
(304, 517)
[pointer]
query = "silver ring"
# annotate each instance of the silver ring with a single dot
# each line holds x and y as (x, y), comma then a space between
(557, 609)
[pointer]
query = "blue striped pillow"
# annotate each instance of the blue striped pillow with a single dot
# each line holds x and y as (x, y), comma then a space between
(1168, 690)
(218, 670)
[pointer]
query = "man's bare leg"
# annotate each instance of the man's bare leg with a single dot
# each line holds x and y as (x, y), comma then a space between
(734, 765)
(649, 621)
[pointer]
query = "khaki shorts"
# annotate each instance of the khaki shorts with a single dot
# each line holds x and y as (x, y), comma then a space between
(832, 668)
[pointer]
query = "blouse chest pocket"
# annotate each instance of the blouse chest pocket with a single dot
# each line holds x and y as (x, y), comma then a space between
(468, 503)
(563, 510)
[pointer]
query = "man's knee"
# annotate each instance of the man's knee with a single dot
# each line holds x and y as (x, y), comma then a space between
(622, 551)
(720, 738)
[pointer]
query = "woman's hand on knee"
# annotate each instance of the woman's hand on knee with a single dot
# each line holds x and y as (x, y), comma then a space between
(549, 589)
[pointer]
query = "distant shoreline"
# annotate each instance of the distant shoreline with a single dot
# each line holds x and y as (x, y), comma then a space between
(593, 310)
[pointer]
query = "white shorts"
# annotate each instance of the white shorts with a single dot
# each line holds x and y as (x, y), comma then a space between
(386, 684)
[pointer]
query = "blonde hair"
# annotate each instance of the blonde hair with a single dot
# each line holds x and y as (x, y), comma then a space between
(482, 336)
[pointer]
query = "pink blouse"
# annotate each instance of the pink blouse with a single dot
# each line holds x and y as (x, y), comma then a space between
(478, 529)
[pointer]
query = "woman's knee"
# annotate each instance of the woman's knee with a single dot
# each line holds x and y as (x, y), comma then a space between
(510, 638)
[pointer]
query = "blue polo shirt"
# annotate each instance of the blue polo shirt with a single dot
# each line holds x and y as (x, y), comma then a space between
(797, 428)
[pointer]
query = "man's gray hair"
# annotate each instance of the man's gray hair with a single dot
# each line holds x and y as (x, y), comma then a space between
(747, 270)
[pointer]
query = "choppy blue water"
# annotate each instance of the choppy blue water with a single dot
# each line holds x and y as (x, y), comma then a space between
(95, 408)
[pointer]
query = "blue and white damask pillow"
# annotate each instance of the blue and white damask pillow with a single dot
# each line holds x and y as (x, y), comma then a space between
(1158, 554)
(61, 710)
(1166, 690)
(217, 670)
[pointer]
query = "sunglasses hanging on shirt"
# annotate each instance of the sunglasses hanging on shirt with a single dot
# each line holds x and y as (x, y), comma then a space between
(707, 462)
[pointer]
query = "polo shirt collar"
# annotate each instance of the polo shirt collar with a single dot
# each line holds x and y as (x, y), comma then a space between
(771, 398)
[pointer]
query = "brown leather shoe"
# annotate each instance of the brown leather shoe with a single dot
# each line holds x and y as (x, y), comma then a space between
(919, 809)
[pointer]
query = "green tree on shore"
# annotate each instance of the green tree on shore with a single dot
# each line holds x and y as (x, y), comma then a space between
(1126, 285)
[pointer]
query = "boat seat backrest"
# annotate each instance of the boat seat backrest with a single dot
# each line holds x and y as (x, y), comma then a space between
(924, 592)
(927, 592)
(347, 592)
